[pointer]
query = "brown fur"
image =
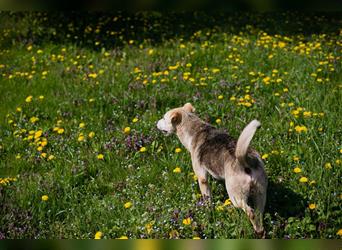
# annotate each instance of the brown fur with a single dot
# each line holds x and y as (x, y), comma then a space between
(214, 151)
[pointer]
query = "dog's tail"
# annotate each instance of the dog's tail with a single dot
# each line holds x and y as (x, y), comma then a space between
(245, 139)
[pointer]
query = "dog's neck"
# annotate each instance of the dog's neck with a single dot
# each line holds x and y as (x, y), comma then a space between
(185, 132)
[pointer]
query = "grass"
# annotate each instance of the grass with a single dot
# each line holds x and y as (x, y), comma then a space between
(97, 72)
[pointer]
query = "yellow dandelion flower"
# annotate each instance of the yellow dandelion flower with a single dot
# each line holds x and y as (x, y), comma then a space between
(196, 238)
(187, 221)
(51, 157)
(297, 170)
(81, 125)
(38, 134)
(220, 97)
(178, 150)
(91, 134)
(218, 121)
(18, 156)
(45, 198)
(339, 232)
(98, 235)
(40, 148)
(281, 44)
(295, 158)
(303, 179)
(29, 98)
(60, 131)
(135, 120)
(19, 109)
(143, 149)
(312, 206)
(128, 204)
(328, 165)
(127, 130)
(148, 227)
(177, 170)
(264, 156)
(227, 202)
(100, 156)
(43, 155)
(300, 129)
(123, 238)
(34, 119)
(81, 138)
(44, 142)
(312, 182)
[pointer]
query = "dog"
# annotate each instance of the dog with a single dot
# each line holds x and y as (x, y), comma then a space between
(215, 152)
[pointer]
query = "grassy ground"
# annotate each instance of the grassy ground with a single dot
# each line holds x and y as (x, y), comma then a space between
(81, 95)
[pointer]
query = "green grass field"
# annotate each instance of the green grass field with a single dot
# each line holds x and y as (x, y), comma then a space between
(80, 155)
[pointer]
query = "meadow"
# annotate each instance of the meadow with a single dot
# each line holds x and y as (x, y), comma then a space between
(80, 155)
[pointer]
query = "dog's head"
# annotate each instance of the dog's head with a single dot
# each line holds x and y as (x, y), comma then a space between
(168, 124)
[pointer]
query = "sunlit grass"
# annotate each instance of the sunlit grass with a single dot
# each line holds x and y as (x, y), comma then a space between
(80, 156)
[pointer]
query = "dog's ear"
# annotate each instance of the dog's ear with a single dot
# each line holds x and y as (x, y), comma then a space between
(189, 108)
(176, 118)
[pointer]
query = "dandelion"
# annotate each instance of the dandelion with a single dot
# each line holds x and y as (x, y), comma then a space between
(45, 198)
(143, 149)
(60, 131)
(29, 99)
(123, 238)
(328, 165)
(127, 130)
(19, 109)
(148, 227)
(34, 119)
(220, 97)
(150, 51)
(297, 170)
(295, 158)
(91, 134)
(339, 232)
(178, 150)
(43, 155)
(51, 157)
(300, 129)
(312, 206)
(100, 156)
(135, 120)
(81, 125)
(98, 235)
(81, 137)
(218, 121)
(38, 134)
(187, 221)
(264, 156)
(177, 170)
(18, 156)
(128, 204)
(303, 179)
(227, 202)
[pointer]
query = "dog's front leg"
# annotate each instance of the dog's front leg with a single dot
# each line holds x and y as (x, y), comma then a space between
(202, 177)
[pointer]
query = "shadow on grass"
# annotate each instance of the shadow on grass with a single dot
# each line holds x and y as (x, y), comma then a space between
(283, 202)
(97, 30)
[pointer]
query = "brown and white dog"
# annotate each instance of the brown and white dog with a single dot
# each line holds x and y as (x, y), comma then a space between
(214, 151)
